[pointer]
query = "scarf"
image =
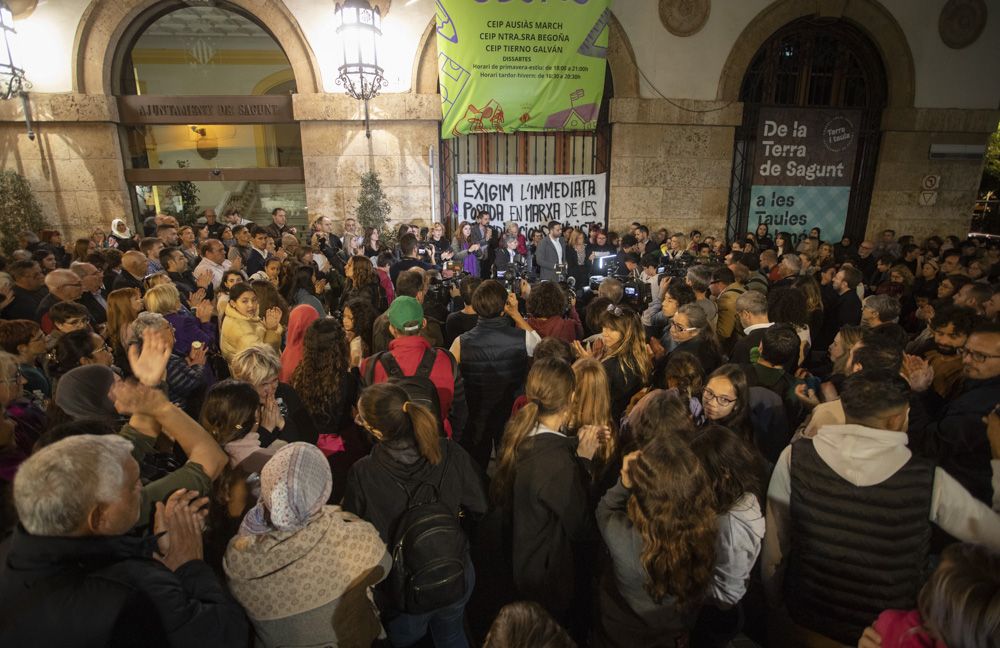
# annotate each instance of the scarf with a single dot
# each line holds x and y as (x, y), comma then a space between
(299, 321)
(294, 486)
(293, 553)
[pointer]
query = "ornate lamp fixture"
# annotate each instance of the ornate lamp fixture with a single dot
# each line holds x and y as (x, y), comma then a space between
(359, 28)
(12, 80)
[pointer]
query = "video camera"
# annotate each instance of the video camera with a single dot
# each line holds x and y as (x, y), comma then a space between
(512, 276)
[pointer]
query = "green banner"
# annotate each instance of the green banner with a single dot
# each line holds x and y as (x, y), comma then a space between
(521, 66)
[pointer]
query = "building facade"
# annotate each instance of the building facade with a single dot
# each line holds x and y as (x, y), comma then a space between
(160, 104)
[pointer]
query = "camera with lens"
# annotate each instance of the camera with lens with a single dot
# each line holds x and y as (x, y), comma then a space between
(512, 276)
(637, 293)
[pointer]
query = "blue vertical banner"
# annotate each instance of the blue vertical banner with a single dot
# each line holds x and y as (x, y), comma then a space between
(803, 168)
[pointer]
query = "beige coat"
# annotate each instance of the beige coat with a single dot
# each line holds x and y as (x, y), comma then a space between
(239, 332)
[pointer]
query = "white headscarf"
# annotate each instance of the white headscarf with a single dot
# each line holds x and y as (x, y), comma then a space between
(294, 486)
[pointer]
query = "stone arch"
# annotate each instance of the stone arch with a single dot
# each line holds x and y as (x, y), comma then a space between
(104, 24)
(869, 16)
(621, 59)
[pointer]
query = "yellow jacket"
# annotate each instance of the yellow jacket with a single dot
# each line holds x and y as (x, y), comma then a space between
(239, 332)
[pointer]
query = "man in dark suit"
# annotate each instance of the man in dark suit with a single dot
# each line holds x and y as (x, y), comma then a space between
(551, 253)
(751, 310)
(484, 234)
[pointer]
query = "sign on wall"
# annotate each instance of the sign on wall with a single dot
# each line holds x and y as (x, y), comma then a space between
(533, 200)
(507, 67)
(804, 164)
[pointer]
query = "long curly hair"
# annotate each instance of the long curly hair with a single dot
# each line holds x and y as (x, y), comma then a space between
(320, 374)
(673, 509)
(361, 271)
(364, 314)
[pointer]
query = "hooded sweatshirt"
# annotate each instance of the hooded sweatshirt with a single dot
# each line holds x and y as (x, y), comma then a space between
(865, 456)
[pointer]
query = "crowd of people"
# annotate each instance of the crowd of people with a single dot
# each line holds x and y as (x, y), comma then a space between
(235, 434)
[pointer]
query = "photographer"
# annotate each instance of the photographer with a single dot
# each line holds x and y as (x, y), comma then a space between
(409, 250)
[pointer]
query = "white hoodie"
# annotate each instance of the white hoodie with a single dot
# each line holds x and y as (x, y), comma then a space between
(866, 457)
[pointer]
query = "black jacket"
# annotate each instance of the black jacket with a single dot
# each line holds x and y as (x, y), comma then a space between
(551, 520)
(374, 483)
(126, 280)
(25, 303)
(108, 591)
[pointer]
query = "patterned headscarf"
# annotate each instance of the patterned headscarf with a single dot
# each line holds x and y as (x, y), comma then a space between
(294, 486)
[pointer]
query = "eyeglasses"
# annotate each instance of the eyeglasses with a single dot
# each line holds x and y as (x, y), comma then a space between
(708, 395)
(18, 376)
(978, 356)
(103, 347)
(674, 326)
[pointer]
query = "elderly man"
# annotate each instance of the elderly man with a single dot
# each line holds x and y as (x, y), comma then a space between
(134, 266)
(70, 559)
(212, 223)
(63, 285)
(92, 280)
(214, 261)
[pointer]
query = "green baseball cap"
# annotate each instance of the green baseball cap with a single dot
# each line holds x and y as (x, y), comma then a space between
(406, 314)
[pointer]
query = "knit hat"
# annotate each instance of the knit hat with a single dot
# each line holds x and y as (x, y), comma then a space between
(406, 314)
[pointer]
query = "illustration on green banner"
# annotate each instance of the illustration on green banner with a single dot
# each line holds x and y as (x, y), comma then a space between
(803, 169)
(506, 67)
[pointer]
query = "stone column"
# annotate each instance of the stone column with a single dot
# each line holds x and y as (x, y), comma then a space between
(671, 163)
(904, 160)
(336, 152)
(74, 164)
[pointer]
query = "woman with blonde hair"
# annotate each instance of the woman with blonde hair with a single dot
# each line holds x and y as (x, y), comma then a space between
(189, 328)
(659, 526)
(408, 457)
(592, 407)
(542, 487)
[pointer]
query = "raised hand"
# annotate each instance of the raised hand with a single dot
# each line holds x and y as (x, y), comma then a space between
(806, 395)
(204, 311)
(196, 298)
(150, 365)
(272, 318)
(626, 462)
(204, 280)
(918, 373)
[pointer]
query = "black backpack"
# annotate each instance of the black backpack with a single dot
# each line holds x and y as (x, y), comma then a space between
(428, 551)
(418, 387)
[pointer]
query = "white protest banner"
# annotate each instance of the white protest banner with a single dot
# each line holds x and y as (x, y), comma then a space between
(533, 200)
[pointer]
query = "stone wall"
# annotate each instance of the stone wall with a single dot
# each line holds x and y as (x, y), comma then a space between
(904, 161)
(336, 152)
(74, 164)
(671, 165)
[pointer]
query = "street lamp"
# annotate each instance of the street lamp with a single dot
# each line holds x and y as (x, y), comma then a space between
(12, 81)
(359, 28)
